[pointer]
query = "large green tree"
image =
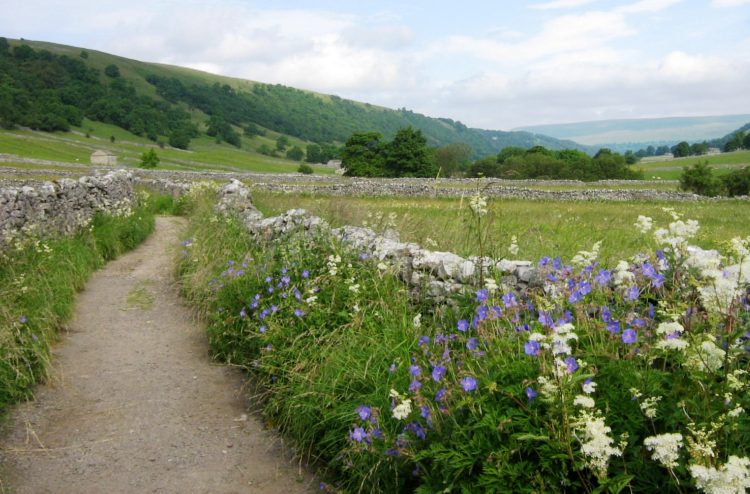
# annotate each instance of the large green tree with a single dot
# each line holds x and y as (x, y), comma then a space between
(407, 155)
(682, 150)
(452, 158)
(362, 155)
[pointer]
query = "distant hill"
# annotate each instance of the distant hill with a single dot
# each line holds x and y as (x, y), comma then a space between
(158, 100)
(639, 133)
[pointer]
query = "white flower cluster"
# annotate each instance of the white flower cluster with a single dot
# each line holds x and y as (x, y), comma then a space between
(707, 356)
(548, 388)
(584, 401)
(666, 448)
(478, 204)
(513, 249)
(622, 274)
(678, 233)
(732, 478)
(674, 343)
(719, 294)
(403, 409)
(649, 406)
(558, 340)
(333, 264)
(584, 258)
(596, 445)
(490, 284)
(417, 322)
(644, 224)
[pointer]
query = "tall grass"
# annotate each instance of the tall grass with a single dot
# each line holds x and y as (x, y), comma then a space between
(39, 279)
(542, 227)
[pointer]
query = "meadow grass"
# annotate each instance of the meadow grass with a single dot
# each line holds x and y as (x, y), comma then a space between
(388, 392)
(39, 278)
(735, 158)
(542, 227)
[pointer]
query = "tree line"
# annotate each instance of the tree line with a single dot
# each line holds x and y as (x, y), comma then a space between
(50, 92)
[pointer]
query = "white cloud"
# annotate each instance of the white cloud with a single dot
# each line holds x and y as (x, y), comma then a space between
(729, 3)
(647, 6)
(561, 4)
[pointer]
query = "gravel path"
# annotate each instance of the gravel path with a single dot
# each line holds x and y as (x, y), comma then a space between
(135, 404)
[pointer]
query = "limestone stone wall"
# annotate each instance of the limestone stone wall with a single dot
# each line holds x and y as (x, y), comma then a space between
(43, 209)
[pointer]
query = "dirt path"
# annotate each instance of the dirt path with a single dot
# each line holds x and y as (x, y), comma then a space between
(135, 404)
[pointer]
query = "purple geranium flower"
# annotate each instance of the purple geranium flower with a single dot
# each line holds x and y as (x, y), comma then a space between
(415, 370)
(471, 344)
(531, 348)
(463, 325)
(424, 340)
(358, 435)
(629, 336)
(437, 373)
(469, 383)
(482, 295)
(571, 364)
(363, 412)
(632, 293)
(530, 394)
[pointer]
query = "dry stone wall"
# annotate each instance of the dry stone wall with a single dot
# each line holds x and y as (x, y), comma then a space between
(43, 209)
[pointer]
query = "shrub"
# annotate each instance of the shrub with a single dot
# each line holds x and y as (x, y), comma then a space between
(737, 182)
(306, 169)
(699, 179)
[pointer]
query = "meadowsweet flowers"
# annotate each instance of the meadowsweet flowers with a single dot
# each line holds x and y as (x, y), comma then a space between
(732, 478)
(644, 224)
(596, 445)
(665, 447)
(403, 409)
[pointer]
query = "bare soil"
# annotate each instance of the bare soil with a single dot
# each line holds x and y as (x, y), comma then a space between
(135, 404)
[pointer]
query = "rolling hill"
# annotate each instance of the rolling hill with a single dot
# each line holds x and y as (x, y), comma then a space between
(639, 133)
(156, 101)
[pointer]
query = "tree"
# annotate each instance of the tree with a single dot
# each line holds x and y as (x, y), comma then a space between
(682, 150)
(540, 150)
(735, 143)
(313, 154)
(407, 155)
(509, 152)
(362, 156)
(305, 169)
(4, 47)
(281, 143)
(603, 152)
(112, 71)
(662, 150)
(295, 153)
(452, 158)
(698, 179)
(84, 54)
(746, 141)
(699, 148)
(252, 130)
(485, 167)
(737, 182)
(149, 159)
(650, 151)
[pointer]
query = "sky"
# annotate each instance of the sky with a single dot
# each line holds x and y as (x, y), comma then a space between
(490, 64)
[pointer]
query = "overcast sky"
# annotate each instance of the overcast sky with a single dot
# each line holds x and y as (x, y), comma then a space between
(492, 64)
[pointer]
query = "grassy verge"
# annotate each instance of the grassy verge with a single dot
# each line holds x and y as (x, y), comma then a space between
(39, 279)
(582, 388)
(542, 227)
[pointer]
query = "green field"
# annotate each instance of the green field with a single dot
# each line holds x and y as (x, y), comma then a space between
(542, 227)
(205, 153)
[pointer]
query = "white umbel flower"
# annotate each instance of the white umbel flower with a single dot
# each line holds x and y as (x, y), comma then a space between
(596, 445)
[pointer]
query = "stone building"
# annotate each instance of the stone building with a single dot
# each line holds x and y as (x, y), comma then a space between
(104, 157)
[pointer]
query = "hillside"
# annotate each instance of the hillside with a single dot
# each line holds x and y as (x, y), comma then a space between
(168, 99)
(639, 133)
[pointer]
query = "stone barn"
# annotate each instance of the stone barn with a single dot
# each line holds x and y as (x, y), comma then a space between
(104, 157)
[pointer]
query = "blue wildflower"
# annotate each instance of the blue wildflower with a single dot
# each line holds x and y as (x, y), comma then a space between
(414, 386)
(483, 312)
(657, 280)
(613, 326)
(556, 263)
(299, 312)
(358, 434)
(262, 329)
(243, 313)
(530, 394)
(424, 340)
(606, 314)
(437, 373)
(544, 261)
(629, 336)
(393, 368)
(363, 256)
(415, 370)
(305, 273)
(440, 394)
(471, 344)
(545, 319)
(495, 312)
(509, 300)
(23, 319)
(482, 295)
(571, 364)
(531, 348)
(469, 383)
(584, 288)
(574, 297)
(463, 325)
(633, 293)
(363, 412)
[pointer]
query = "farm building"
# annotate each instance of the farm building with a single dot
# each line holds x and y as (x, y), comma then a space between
(104, 157)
